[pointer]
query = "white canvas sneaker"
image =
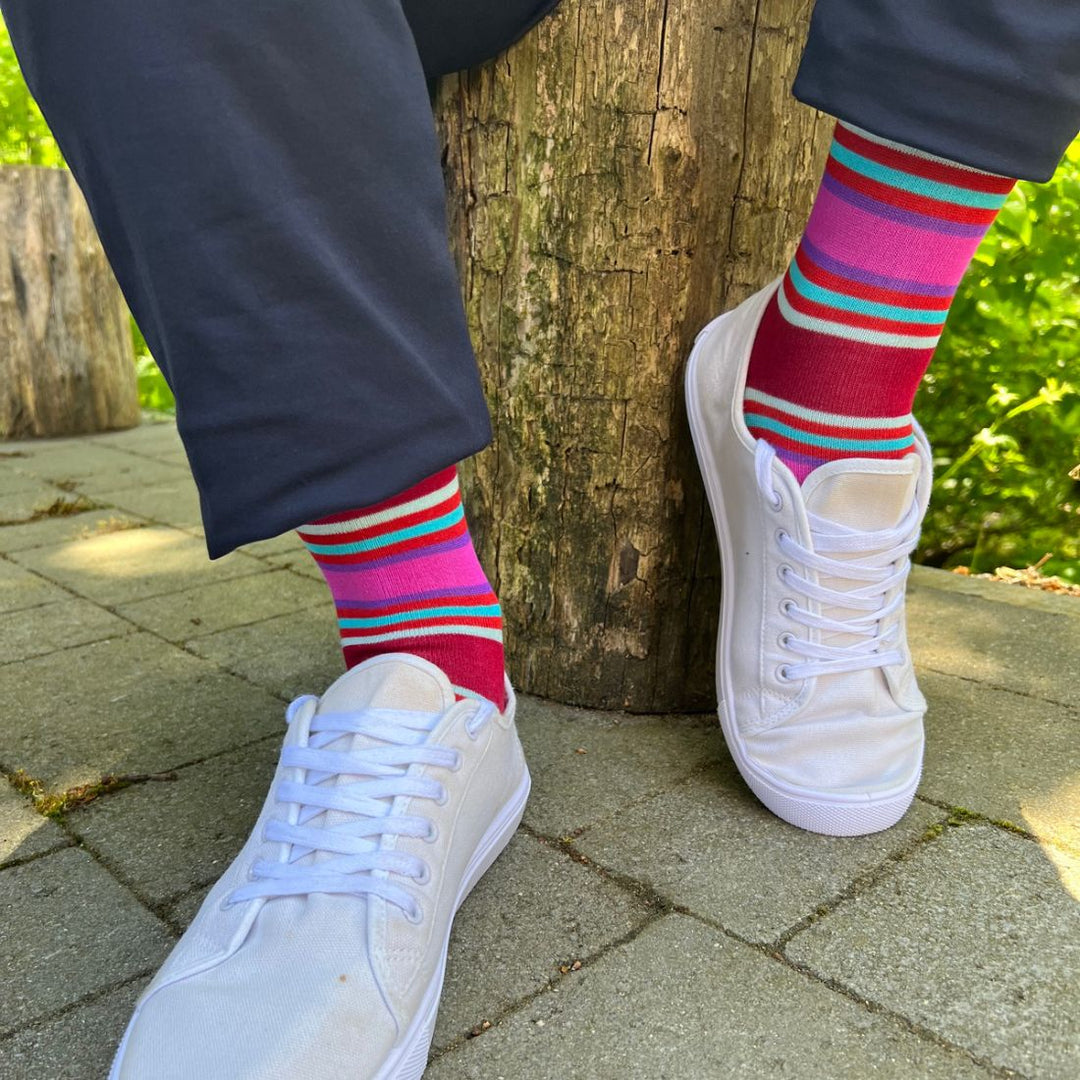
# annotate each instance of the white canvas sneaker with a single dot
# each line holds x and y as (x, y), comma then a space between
(320, 952)
(816, 690)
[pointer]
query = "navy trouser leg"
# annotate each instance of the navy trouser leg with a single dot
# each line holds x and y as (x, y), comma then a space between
(994, 84)
(265, 179)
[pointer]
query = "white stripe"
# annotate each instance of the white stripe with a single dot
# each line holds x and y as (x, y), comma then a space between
(825, 417)
(366, 521)
(852, 333)
(869, 136)
(425, 631)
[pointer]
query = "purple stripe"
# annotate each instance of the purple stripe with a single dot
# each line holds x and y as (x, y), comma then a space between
(894, 213)
(393, 560)
(865, 277)
(786, 455)
(412, 598)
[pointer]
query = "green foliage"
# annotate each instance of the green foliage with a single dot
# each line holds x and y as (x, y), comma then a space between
(1001, 402)
(24, 136)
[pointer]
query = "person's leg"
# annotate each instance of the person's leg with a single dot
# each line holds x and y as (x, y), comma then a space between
(800, 399)
(265, 180)
(276, 217)
(940, 105)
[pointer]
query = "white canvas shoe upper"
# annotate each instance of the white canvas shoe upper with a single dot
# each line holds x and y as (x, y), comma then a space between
(320, 951)
(817, 695)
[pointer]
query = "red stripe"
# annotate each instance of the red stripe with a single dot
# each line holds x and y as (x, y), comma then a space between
(918, 166)
(425, 487)
(413, 544)
(381, 529)
(828, 280)
(863, 322)
(907, 200)
(838, 431)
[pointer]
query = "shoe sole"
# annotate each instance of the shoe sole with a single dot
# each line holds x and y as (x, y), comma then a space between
(408, 1059)
(830, 813)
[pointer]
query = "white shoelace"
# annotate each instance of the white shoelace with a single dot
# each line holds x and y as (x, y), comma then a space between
(884, 569)
(347, 853)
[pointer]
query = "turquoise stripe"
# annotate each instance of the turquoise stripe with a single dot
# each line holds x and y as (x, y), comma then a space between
(839, 300)
(355, 547)
(918, 185)
(827, 441)
(483, 611)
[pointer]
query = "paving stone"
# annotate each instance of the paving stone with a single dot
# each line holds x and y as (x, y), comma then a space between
(182, 910)
(68, 929)
(710, 846)
(134, 564)
(175, 503)
(976, 938)
(289, 655)
(626, 759)
(296, 559)
(78, 1045)
(533, 911)
(165, 838)
(13, 480)
(23, 831)
(999, 592)
(130, 705)
(282, 548)
(59, 625)
(1006, 756)
(683, 1002)
(237, 602)
(1028, 650)
(20, 589)
(63, 530)
(92, 466)
(30, 503)
(152, 438)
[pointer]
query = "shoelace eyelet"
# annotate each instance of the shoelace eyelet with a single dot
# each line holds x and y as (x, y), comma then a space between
(783, 673)
(459, 760)
(444, 796)
(787, 606)
(432, 833)
(424, 877)
(414, 915)
(783, 570)
(777, 501)
(784, 640)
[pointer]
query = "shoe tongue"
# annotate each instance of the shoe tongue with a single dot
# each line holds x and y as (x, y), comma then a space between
(390, 681)
(861, 493)
(869, 496)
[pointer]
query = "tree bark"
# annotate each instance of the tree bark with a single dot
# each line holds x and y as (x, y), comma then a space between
(623, 174)
(67, 364)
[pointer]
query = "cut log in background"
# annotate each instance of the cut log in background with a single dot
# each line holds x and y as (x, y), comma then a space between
(67, 363)
(623, 174)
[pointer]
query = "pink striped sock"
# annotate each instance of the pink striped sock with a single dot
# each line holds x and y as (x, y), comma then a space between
(844, 343)
(405, 578)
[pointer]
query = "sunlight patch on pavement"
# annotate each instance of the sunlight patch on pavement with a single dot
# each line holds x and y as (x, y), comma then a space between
(1055, 819)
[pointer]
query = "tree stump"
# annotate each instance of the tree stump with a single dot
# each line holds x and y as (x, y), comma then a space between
(627, 171)
(67, 364)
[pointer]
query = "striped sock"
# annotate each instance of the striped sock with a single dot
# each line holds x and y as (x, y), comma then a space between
(405, 578)
(849, 334)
